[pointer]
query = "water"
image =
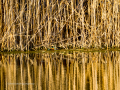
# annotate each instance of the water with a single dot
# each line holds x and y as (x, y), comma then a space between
(64, 70)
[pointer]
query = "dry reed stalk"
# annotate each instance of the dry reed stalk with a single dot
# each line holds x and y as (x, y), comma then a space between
(28, 21)
(98, 28)
(1, 19)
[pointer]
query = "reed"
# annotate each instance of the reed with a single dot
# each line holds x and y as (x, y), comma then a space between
(29, 24)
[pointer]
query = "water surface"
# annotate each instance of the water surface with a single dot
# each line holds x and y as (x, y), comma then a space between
(64, 70)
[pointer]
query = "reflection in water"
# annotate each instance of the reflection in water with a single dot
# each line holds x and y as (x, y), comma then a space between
(69, 70)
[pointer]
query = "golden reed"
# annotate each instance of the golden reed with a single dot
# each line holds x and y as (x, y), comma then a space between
(28, 24)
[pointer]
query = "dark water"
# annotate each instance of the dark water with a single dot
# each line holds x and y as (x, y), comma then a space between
(64, 70)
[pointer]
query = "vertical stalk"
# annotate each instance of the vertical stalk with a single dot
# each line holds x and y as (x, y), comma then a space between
(28, 22)
(21, 17)
(49, 30)
(83, 31)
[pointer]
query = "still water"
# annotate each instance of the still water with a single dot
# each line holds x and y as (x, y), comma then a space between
(63, 70)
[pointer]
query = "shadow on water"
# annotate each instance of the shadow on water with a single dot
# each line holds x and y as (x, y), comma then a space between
(62, 70)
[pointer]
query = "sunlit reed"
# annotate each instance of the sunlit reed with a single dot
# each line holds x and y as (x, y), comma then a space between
(31, 24)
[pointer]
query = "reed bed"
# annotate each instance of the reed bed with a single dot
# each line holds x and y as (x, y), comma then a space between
(63, 71)
(30, 24)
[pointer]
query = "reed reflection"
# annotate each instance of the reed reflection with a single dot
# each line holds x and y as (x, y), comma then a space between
(64, 70)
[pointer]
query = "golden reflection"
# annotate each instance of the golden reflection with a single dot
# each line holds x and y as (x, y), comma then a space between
(69, 70)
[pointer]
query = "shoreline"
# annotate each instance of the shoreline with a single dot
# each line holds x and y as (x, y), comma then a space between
(43, 51)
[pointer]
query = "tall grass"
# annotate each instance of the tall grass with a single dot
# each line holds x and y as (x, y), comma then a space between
(26, 24)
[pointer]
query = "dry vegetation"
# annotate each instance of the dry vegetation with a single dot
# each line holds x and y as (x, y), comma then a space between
(27, 24)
